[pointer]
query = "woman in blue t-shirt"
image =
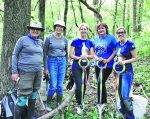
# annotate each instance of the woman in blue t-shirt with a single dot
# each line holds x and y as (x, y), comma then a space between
(76, 53)
(125, 50)
(104, 46)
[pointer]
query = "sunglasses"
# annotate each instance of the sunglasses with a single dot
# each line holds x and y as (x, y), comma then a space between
(121, 32)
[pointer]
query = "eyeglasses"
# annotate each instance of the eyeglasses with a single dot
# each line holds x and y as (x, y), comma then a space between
(121, 32)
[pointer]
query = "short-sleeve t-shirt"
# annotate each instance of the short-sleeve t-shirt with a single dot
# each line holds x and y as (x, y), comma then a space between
(78, 44)
(125, 51)
(104, 47)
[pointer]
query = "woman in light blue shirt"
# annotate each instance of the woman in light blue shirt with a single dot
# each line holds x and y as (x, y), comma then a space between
(104, 45)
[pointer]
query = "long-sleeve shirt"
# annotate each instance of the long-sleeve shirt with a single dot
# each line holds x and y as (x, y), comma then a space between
(27, 55)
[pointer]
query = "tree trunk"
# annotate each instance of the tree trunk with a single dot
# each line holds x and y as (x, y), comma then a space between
(65, 14)
(42, 14)
(74, 14)
(81, 12)
(140, 11)
(128, 25)
(134, 15)
(115, 15)
(16, 17)
(124, 13)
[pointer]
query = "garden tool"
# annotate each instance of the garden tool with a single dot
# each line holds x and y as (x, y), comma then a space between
(84, 63)
(118, 68)
(100, 106)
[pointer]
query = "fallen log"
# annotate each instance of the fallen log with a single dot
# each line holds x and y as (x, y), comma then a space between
(61, 107)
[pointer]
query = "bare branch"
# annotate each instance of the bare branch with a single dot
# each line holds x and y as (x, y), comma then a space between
(92, 9)
(60, 107)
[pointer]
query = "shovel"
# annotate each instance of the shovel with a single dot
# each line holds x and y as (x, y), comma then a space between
(100, 106)
(83, 63)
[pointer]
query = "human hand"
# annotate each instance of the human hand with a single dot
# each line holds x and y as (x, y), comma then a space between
(105, 61)
(98, 58)
(84, 56)
(45, 72)
(15, 77)
(122, 62)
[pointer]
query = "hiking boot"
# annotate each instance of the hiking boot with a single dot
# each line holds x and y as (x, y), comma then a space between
(59, 100)
(49, 109)
(20, 112)
(31, 108)
(51, 103)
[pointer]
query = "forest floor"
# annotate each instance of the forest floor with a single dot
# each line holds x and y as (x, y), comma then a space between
(90, 99)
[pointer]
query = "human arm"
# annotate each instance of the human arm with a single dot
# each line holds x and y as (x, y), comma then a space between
(109, 58)
(131, 60)
(72, 53)
(45, 52)
(17, 49)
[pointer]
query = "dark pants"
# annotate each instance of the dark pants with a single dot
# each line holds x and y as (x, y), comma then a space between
(106, 72)
(77, 77)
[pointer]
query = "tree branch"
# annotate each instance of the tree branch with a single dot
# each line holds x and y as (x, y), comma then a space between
(61, 107)
(92, 9)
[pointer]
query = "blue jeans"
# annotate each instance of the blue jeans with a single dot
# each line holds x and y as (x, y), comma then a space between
(126, 80)
(57, 71)
(125, 83)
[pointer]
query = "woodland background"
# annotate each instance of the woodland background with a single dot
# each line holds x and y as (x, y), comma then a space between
(134, 15)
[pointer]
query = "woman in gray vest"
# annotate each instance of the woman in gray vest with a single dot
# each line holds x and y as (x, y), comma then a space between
(55, 55)
(27, 62)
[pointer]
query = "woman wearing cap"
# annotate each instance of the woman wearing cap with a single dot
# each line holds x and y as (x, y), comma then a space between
(76, 53)
(55, 55)
(104, 45)
(125, 49)
(27, 62)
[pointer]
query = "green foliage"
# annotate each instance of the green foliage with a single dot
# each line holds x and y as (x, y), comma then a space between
(142, 74)
(142, 41)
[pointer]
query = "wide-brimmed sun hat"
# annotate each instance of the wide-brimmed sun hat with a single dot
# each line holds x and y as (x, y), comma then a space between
(60, 22)
(35, 25)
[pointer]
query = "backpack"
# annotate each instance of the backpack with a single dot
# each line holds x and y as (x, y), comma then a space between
(8, 104)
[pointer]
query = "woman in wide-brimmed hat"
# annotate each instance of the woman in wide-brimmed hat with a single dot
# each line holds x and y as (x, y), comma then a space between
(55, 55)
(27, 62)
